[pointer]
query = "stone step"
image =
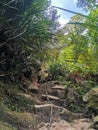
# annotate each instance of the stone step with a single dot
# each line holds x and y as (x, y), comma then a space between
(63, 113)
(61, 91)
(46, 109)
(60, 87)
(50, 97)
(33, 88)
(48, 105)
(70, 116)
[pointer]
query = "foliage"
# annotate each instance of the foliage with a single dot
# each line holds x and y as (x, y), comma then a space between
(6, 127)
(32, 41)
(18, 103)
(9, 97)
(56, 70)
(76, 91)
(80, 36)
(26, 30)
(87, 4)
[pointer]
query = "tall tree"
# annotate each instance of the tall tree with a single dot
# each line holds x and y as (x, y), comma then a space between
(87, 4)
(24, 33)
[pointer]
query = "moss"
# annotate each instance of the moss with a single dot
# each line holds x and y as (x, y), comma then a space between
(5, 126)
(92, 98)
(17, 119)
(93, 102)
(22, 119)
(9, 97)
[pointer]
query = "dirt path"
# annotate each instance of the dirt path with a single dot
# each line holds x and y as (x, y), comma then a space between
(46, 111)
(53, 114)
(81, 124)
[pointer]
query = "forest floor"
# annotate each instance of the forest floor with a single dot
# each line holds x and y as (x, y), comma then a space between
(45, 110)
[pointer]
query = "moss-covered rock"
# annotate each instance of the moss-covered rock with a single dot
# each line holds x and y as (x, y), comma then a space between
(17, 119)
(91, 98)
(6, 126)
(96, 122)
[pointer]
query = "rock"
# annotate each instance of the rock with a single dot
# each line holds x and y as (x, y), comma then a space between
(30, 86)
(47, 109)
(95, 120)
(57, 110)
(60, 125)
(6, 126)
(47, 105)
(82, 124)
(49, 97)
(61, 94)
(18, 119)
(64, 125)
(56, 82)
(70, 116)
(60, 90)
(33, 98)
(89, 94)
(48, 112)
(27, 96)
(60, 87)
(72, 100)
(91, 98)
(33, 88)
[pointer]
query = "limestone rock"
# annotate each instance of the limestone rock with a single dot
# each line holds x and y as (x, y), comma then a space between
(61, 94)
(6, 126)
(95, 122)
(60, 90)
(46, 109)
(91, 98)
(64, 125)
(27, 96)
(47, 106)
(70, 116)
(33, 88)
(60, 87)
(50, 97)
(95, 119)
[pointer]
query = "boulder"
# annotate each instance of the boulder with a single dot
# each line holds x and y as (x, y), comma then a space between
(91, 98)
(95, 120)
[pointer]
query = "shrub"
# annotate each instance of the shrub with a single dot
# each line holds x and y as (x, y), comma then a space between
(56, 70)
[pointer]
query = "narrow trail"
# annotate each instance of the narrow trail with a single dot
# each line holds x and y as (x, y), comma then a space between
(45, 110)
(53, 115)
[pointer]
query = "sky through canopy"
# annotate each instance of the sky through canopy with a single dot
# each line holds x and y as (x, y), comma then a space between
(67, 4)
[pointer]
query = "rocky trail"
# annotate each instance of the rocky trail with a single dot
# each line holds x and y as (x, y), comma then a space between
(47, 113)
(54, 116)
